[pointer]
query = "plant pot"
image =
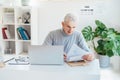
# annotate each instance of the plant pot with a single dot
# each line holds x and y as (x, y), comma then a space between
(104, 61)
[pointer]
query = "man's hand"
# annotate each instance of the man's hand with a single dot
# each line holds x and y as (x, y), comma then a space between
(65, 57)
(88, 57)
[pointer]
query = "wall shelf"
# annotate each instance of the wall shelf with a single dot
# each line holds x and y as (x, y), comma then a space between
(13, 25)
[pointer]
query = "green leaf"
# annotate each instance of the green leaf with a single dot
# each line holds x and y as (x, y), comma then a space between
(108, 45)
(101, 42)
(100, 24)
(101, 30)
(109, 53)
(87, 33)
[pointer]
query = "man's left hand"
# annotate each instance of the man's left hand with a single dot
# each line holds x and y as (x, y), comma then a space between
(88, 57)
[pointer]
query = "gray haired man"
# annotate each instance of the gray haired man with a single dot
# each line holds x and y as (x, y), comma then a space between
(67, 36)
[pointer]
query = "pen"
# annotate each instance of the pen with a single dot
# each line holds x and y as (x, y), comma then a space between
(8, 60)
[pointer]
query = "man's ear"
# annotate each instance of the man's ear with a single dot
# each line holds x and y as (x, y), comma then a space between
(62, 24)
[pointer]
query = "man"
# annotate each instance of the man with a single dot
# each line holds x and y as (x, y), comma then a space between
(67, 36)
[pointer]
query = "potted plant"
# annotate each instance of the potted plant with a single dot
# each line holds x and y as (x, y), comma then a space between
(108, 41)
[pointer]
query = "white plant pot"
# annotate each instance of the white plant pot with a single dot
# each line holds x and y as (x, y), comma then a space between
(104, 61)
(115, 60)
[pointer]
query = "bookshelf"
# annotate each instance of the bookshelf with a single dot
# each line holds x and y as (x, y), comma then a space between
(15, 30)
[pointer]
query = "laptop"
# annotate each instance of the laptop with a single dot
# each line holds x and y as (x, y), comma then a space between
(39, 55)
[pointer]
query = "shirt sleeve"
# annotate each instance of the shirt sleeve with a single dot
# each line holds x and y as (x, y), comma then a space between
(48, 39)
(82, 43)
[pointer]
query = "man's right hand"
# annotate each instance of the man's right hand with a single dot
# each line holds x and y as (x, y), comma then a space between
(65, 57)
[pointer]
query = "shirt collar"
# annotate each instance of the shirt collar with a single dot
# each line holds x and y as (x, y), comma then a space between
(65, 33)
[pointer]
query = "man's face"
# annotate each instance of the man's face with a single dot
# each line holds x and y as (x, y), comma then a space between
(69, 27)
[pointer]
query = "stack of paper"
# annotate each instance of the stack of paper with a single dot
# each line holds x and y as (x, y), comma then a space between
(75, 53)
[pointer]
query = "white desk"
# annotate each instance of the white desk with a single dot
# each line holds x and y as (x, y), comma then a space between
(51, 72)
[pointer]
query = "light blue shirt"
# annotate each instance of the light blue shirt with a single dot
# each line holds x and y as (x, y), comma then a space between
(59, 37)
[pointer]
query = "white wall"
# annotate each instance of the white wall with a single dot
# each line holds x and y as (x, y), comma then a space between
(51, 13)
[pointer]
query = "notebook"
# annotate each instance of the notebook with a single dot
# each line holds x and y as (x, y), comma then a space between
(45, 55)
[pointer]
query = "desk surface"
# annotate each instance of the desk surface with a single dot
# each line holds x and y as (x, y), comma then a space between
(51, 72)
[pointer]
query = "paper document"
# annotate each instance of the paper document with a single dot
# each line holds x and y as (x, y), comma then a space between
(76, 53)
(19, 61)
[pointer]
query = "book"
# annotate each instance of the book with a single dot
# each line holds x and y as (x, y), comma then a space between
(26, 34)
(21, 31)
(3, 33)
(20, 37)
(7, 33)
(75, 53)
(78, 63)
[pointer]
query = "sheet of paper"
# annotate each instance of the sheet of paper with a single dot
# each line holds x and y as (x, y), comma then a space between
(18, 62)
(75, 53)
